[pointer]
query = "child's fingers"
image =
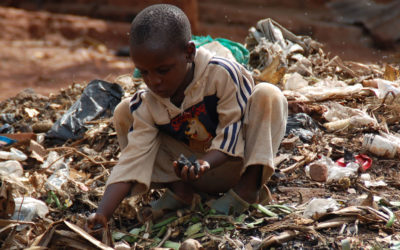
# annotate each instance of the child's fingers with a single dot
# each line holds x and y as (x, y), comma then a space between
(184, 173)
(176, 169)
(204, 168)
(95, 221)
(192, 175)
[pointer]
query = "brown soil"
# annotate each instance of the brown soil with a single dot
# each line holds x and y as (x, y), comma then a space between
(46, 52)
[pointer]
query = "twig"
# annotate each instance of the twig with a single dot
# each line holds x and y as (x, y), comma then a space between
(294, 166)
(237, 244)
(166, 237)
(278, 239)
(86, 156)
(356, 226)
(20, 206)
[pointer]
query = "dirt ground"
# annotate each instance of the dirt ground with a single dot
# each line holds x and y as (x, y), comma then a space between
(47, 52)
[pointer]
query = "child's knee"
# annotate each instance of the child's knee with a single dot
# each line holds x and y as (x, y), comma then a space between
(267, 91)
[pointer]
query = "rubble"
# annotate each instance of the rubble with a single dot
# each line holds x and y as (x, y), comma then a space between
(69, 179)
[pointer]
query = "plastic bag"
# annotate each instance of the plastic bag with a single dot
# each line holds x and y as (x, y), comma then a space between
(12, 167)
(318, 207)
(56, 180)
(60, 168)
(269, 41)
(98, 100)
(294, 81)
(334, 171)
(240, 53)
(30, 209)
(14, 154)
(341, 117)
(301, 125)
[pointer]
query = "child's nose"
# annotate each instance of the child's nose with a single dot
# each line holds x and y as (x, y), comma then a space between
(154, 79)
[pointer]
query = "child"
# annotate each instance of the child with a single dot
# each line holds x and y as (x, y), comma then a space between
(195, 104)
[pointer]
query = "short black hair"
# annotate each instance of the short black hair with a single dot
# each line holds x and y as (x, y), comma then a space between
(163, 22)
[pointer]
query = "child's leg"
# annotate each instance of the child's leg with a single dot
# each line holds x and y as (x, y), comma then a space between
(265, 125)
(264, 128)
(122, 121)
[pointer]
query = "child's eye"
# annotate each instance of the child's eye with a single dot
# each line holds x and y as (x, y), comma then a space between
(143, 72)
(163, 71)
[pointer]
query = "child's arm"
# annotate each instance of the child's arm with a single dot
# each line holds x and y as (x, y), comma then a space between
(216, 158)
(113, 196)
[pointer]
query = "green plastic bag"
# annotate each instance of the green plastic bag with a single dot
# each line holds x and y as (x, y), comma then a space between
(240, 53)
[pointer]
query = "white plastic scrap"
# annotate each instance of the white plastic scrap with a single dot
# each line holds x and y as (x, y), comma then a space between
(58, 178)
(340, 117)
(294, 81)
(60, 168)
(372, 183)
(14, 154)
(30, 209)
(52, 161)
(31, 112)
(318, 207)
(385, 86)
(325, 90)
(11, 168)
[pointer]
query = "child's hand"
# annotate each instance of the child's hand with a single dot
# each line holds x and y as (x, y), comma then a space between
(190, 171)
(95, 222)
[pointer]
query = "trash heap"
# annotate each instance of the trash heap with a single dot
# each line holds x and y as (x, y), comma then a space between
(337, 175)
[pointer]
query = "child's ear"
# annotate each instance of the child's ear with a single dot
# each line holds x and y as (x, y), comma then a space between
(190, 51)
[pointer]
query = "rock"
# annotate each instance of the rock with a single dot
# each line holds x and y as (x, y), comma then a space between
(42, 126)
(191, 244)
(318, 172)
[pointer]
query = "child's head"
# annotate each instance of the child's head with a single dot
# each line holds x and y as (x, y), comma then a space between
(161, 48)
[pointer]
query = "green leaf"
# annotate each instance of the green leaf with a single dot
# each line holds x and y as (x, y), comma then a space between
(264, 210)
(118, 235)
(241, 218)
(193, 229)
(171, 244)
(392, 217)
(137, 230)
(165, 222)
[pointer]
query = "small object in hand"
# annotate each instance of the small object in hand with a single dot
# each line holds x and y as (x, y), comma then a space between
(97, 227)
(189, 162)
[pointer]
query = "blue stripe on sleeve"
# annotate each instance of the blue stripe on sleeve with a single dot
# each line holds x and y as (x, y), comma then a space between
(237, 137)
(233, 138)
(246, 85)
(227, 69)
(233, 78)
(245, 82)
(136, 101)
(226, 132)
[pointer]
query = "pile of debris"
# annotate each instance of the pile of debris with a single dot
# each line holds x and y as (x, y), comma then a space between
(337, 173)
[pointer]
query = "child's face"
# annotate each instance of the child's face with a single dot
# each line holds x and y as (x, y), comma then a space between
(163, 69)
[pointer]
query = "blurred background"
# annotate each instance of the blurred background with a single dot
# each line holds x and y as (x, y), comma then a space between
(46, 45)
